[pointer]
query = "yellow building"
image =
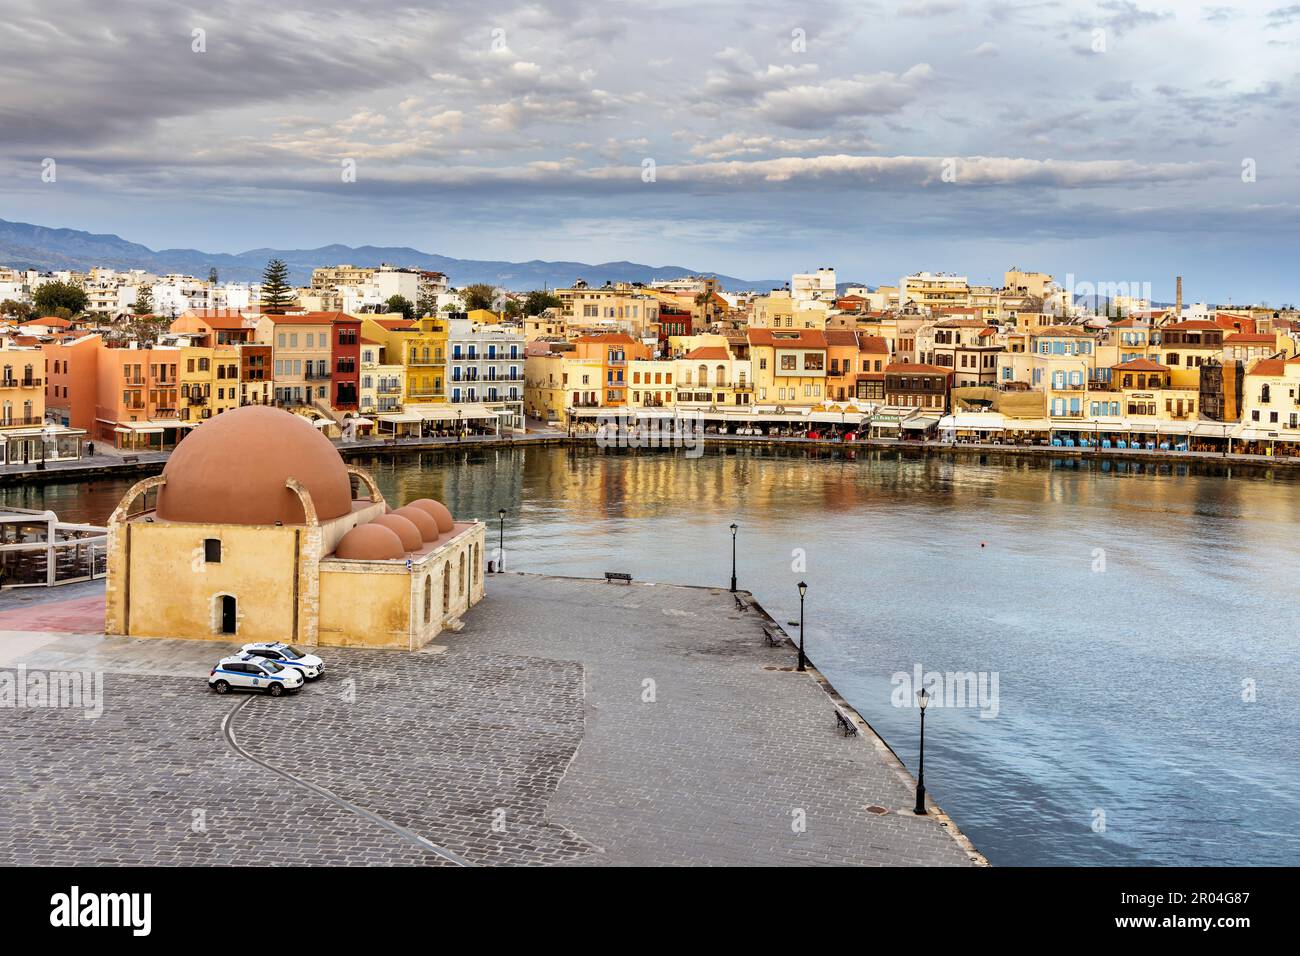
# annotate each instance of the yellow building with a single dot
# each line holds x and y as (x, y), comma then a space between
(709, 377)
(778, 310)
(209, 381)
(544, 394)
(651, 383)
(382, 382)
(257, 535)
(788, 367)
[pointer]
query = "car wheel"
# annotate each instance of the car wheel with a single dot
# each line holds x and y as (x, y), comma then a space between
(275, 688)
(221, 687)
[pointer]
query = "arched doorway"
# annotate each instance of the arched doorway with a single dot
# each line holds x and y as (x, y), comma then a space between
(227, 614)
(446, 587)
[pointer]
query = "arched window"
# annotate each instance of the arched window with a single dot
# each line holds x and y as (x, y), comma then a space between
(446, 587)
(428, 599)
(460, 577)
(704, 375)
(722, 375)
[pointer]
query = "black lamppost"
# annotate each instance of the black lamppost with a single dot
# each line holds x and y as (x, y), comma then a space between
(459, 426)
(733, 558)
(501, 542)
(803, 589)
(922, 698)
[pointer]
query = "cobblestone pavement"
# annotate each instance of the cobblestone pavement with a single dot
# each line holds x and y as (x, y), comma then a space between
(525, 739)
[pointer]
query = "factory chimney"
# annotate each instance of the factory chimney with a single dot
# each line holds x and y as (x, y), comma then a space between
(1178, 298)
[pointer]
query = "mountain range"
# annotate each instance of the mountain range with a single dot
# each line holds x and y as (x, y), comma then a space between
(27, 246)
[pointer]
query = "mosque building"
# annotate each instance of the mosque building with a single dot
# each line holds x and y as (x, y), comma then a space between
(256, 534)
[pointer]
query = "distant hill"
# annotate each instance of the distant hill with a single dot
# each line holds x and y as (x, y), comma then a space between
(26, 246)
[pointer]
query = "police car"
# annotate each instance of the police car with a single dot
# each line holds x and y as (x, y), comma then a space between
(286, 655)
(246, 672)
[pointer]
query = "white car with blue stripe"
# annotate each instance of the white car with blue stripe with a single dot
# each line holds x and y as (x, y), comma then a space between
(287, 655)
(246, 672)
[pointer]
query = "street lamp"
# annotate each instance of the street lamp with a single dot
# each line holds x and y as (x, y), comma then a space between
(803, 589)
(733, 559)
(922, 698)
(501, 541)
(460, 412)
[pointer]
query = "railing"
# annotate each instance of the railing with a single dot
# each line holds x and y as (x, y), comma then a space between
(196, 399)
(389, 389)
(20, 420)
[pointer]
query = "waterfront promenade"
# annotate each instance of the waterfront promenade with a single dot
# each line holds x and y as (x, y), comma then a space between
(571, 721)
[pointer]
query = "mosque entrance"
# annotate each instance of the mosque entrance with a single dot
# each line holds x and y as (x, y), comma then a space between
(227, 614)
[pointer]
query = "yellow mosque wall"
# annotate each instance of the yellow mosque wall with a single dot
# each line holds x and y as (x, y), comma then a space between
(174, 591)
(365, 606)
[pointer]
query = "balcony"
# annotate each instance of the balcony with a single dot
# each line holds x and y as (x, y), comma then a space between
(196, 399)
(20, 421)
(389, 390)
(419, 392)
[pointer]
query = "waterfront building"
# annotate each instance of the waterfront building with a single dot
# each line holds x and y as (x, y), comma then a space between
(302, 352)
(345, 364)
(125, 397)
(1270, 404)
(869, 377)
(789, 367)
(485, 371)
(813, 286)
(842, 356)
(544, 375)
(969, 347)
(257, 534)
(381, 381)
(1248, 346)
(25, 434)
(612, 351)
(1186, 346)
(652, 382)
(255, 373)
(209, 381)
(709, 378)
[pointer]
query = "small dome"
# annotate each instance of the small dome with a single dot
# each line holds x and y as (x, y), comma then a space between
(232, 470)
(412, 540)
(421, 519)
(370, 542)
(438, 511)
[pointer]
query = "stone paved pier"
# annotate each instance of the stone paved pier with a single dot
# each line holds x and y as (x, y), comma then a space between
(527, 738)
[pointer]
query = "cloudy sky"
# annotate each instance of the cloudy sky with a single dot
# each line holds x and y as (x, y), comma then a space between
(1125, 140)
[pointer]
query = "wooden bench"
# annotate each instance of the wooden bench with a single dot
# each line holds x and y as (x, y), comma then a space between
(130, 459)
(740, 605)
(618, 576)
(773, 637)
(846, 725)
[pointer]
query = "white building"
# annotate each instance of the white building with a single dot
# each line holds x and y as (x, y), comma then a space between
(816, 286)
(485, 366)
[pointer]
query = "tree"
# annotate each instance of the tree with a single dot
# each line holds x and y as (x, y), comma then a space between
(400, 303)
(17, 310)
(54, 295)
(427, 304)
(276, 296)
(143, 301)
(480, 295)
(212, 275)
(538, 301)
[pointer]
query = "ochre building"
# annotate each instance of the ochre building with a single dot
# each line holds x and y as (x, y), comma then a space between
(259, 531)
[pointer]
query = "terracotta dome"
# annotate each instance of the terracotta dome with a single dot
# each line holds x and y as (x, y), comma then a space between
(421, 519)
(232, 469)
(410, 535)
(370, 542)
(438, 511)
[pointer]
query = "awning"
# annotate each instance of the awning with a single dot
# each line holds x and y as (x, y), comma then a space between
(322, 422)
(657, 413)
(433, 413)
(399, 418)
(470, 410)
(976, 422)
(1160, 427)
(847, 418)
(921, 423)
(359, 421)
(1028, 425)
(1252, 433)
(1213, 429)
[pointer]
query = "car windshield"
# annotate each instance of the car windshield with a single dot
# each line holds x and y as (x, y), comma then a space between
(271, 667)
(291, 652)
